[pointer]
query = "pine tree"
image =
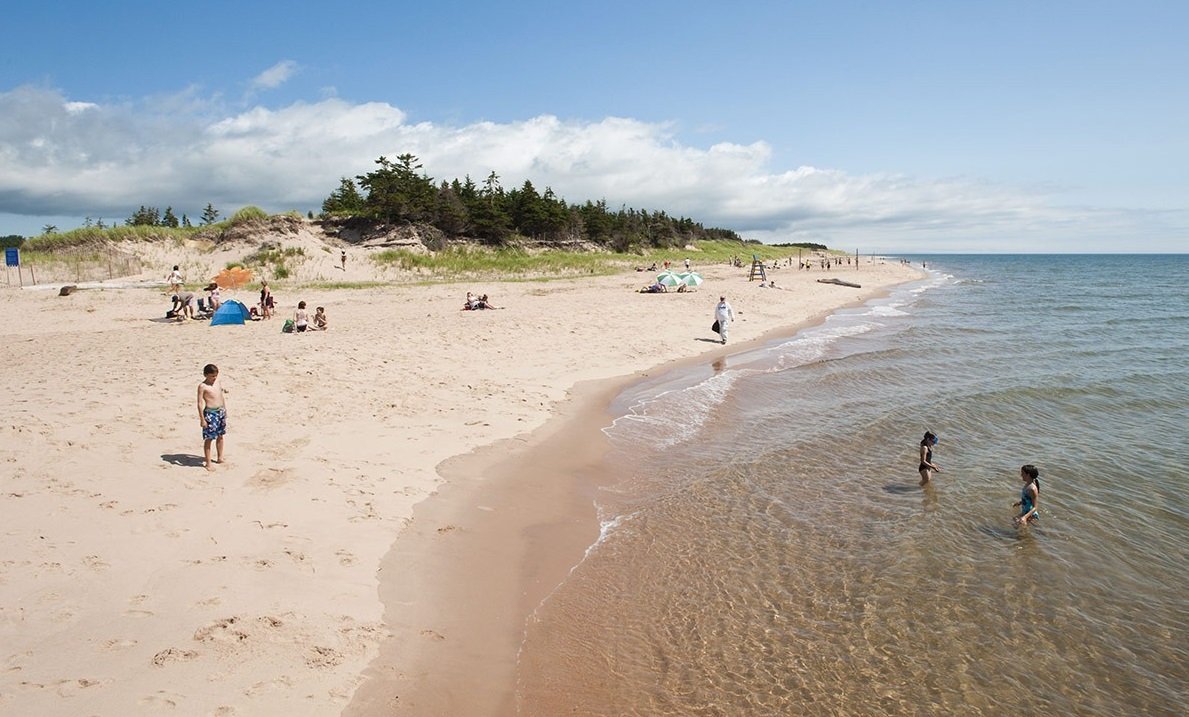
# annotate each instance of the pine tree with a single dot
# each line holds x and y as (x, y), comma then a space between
(346, 199)
(169, 219)
(210, 215)
(186, 222)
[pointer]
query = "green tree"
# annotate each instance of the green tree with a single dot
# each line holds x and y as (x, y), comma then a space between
(49, 229)
(12, 240)
(451, 213)
(144, 217)
(210, 215)
(169, 219)
(489, 220)
(345, 200)
(399, 192)
(186, 221)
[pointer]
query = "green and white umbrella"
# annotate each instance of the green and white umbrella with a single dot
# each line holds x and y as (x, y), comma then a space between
(668, 278)
(691, 278)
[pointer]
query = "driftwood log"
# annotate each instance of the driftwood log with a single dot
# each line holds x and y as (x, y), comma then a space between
(840, 282)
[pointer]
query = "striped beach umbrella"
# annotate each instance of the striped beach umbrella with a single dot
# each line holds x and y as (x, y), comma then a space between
(668, 278)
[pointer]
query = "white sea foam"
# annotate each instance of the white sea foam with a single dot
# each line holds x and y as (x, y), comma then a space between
(887, 310)
(674, 416)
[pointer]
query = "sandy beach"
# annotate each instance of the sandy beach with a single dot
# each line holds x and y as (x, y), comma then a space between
(134, 581)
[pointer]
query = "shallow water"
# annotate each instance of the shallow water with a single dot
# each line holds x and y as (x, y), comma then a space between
(767, 548)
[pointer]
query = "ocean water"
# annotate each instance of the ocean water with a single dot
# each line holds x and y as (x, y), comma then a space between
(767, 548)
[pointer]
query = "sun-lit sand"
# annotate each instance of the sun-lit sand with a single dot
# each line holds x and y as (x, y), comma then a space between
(132, 579)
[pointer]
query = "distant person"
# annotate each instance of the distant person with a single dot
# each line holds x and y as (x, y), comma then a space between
(927, 467)
(1029, 496)
(321, 323)
(183, 305)
(266, 301)
(301, 319)
(343, 259)
(212, 413)
(723, 316)
(687, 263)
(213, 295)
(175, 280)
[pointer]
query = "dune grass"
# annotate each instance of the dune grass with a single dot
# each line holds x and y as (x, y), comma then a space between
(519, 263)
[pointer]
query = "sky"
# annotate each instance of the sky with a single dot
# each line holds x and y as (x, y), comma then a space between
(889, 127)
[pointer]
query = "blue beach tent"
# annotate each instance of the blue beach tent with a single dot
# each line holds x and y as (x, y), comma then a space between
(231, 312)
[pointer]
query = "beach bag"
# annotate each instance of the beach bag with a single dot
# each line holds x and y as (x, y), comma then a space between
(714, 326)
(287, 327)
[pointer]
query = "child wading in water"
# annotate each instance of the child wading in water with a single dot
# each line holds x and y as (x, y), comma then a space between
(212, 413)
(1029, 496)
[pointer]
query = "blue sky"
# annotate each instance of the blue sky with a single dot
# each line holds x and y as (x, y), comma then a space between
(879, 126)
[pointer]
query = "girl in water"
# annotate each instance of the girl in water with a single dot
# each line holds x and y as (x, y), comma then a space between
(927, 467)
(1029, 496)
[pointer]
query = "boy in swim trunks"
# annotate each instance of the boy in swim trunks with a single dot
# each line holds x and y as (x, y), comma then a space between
(212, 413)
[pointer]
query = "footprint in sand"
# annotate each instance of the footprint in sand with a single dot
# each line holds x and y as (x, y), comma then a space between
(161, 700)
(173, 654)
(118, 644)
(282, 683)
(323, 657)
(270, 478)
(224, 630)
(346, 559)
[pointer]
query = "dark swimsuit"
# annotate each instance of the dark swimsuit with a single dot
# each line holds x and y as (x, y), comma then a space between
(928, 458)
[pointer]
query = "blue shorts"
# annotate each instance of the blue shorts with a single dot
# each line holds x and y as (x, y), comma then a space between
(216, 423)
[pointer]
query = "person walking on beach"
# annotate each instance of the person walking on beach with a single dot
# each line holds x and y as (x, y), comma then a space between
(343, 259)
(723, 316)
(927, 467)
(212, 413)
(1029, 496)
(175, 280)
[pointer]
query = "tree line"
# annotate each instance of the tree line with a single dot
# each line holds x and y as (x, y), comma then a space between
(401, 192)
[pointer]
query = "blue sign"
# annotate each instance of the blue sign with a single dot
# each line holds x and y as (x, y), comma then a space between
(12, 256)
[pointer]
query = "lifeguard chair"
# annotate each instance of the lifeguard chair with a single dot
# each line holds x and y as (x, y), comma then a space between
(757, 269)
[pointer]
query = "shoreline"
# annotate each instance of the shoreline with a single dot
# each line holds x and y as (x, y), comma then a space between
(479, 578)
(135, 578)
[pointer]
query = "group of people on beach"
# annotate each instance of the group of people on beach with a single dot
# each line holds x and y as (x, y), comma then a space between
(1029, 474)
(301, 319)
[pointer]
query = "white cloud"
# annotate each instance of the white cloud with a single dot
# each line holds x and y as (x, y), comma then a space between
(274, 76)
(184, 151)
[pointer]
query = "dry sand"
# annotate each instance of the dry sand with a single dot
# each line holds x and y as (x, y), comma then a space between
(133, 581)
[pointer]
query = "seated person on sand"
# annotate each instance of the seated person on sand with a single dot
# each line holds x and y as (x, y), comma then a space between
(471, 303)
(321, 323)
(485, 303)
(301, 318)
(183, 306)
(656, 288)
